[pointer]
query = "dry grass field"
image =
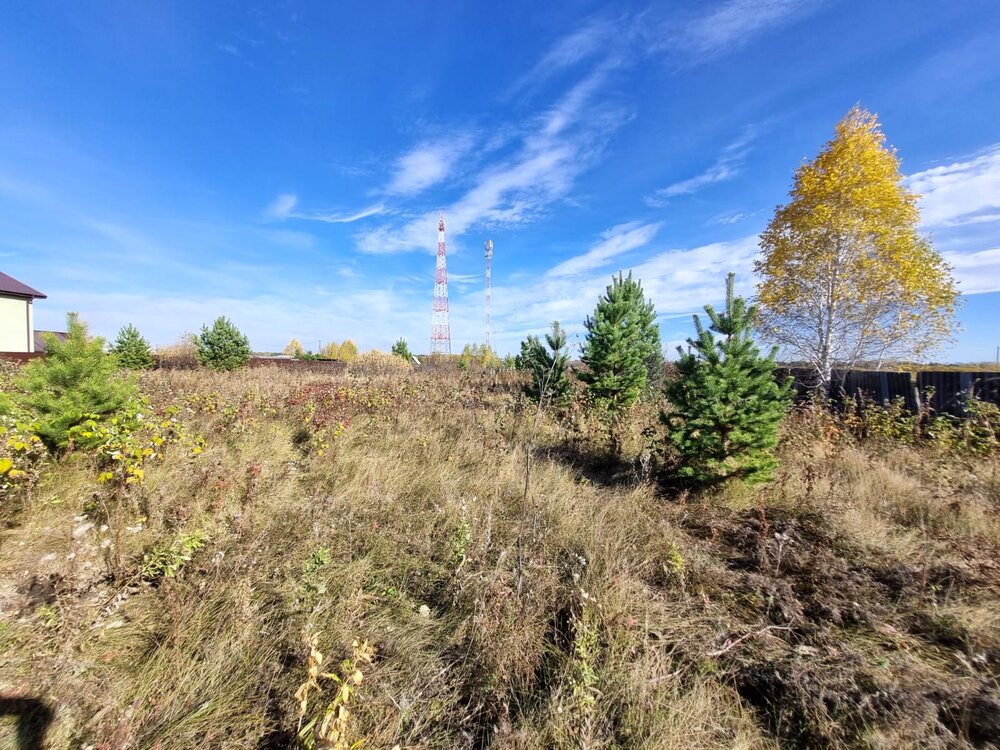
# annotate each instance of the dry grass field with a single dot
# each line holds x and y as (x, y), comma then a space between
(427, 560)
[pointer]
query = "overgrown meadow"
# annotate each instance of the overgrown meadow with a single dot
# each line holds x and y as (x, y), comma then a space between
(427, 559)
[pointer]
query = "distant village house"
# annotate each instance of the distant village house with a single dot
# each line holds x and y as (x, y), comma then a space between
(17, 333)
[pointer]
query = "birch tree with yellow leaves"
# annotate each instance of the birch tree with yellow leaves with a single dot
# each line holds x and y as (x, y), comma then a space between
(845, 275)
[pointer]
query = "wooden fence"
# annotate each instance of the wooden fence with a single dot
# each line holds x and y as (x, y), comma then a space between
(944, 391)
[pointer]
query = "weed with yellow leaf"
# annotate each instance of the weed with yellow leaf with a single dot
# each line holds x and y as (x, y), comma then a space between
(332, 730)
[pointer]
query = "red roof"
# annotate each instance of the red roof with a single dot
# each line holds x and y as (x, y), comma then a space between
(10, 285)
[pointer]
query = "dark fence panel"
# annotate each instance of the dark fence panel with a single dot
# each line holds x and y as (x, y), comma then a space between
(803, 381)
(881, 387)
(951, 389)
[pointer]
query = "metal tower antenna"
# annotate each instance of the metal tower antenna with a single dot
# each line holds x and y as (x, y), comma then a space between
(489, 294)
(440, 329)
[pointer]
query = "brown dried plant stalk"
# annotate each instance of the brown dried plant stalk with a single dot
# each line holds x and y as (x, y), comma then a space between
(333, 730)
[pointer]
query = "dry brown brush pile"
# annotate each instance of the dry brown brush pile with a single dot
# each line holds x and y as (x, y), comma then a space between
(417, 560)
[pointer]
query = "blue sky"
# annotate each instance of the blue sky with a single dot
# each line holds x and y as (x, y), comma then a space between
(283, 163)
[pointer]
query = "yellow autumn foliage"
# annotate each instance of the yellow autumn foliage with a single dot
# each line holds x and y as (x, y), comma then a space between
(348, 351)
(845, 274)
(330, 351)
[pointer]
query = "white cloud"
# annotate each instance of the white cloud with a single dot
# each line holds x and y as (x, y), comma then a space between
(584, 43)
(615, 241)
(575, 47)
(282, 206)
(963, 192)
(678, 282)
(339, 218)
(986, 218)
(729, 218)
(426, 165)
(977, 272)
(726, 166)
(733, 23)
(716, 173)
(558, 146)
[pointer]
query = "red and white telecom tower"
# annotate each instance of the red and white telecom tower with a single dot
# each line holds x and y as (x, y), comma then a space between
(489, 294)
(440, 329)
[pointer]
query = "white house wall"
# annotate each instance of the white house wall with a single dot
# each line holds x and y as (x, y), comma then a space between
(31, 325)
(16, 334)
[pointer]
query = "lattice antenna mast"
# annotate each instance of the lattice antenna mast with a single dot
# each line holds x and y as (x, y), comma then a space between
(440, 329)
(489, 294)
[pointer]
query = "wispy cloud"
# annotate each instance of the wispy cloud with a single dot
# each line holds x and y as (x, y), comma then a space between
(342, 218)
(678, 281)
(427, 165)
(229, 49)
(614, 242)
(977, 272)
(729, 218)
(283, 207)
(733, 23)
(726, 166)
(964, 192)
(557, 147)
(584, 43)
(464, 279)
(544, 155)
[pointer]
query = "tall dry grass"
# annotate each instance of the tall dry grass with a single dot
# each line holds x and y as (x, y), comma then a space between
(601, 609)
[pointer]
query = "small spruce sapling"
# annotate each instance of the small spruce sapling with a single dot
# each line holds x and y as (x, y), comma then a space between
(549, 367)
(132, 350)
(223, 346)
(75, 381)
(622, 339)
(726, 406)
(524, 358)
(401, 349)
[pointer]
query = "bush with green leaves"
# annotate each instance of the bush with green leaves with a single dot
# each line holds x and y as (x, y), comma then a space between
(74, 381)
(401, 349)
(726, 405)
(223, 346)
(477, 356)
(622, 339)
(549, 367)
(132, 349)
